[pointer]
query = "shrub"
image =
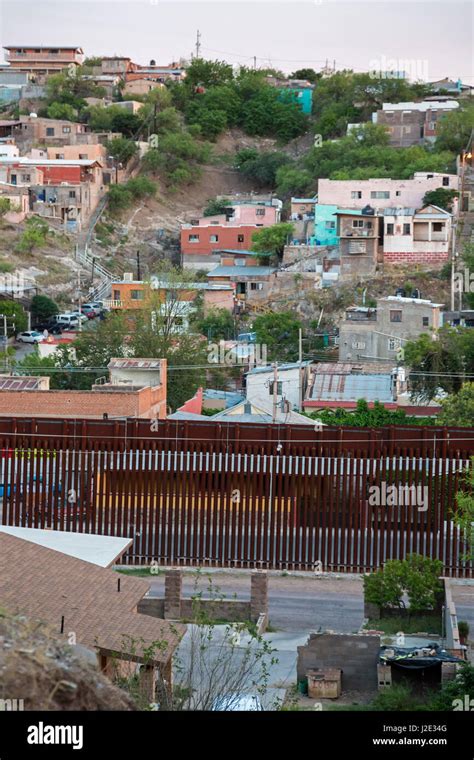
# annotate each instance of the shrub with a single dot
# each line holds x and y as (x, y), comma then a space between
(417, 576)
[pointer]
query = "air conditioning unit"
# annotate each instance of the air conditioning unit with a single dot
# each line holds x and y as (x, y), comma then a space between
(128, 277)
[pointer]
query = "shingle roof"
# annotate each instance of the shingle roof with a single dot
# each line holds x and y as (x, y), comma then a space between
(57, 585)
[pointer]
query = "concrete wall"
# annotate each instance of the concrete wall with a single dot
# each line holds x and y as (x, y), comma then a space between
(410, 191)
(175, 607)
(355, 654)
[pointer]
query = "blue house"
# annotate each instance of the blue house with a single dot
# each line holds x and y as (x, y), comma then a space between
(325, 223)
(299, 93)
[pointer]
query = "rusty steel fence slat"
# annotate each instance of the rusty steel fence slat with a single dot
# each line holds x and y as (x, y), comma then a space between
(238, 495)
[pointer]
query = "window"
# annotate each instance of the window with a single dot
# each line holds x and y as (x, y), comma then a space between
(49, 131)
(357, 222)
(330, 225)
(72, 193)
(136, 295)
(26, 177)
(426, 322)
(369, 225)
(446, 181)
(256, 286)
(59, 155)
(394, 344)
(407, 229)
(356, 194)
(54, 51)
(438, 226)
(389, 230)
(380, 194)
(279, 388)
(240, 238)
(66, 130)
(398, 193)
(116, 295)
(83, 156)
(260, 212)
(193, 238)
(395, 315)
(214, 238)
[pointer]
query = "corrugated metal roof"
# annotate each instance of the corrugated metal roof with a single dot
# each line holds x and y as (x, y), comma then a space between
(20, 383)
(399, 211)
(241, 271)
(281, 367)
(352, 387)
(135, 363)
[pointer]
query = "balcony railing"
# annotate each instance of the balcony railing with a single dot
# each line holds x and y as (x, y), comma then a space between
(112, 303)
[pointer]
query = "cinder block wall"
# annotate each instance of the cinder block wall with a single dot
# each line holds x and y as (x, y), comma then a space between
(356, 655)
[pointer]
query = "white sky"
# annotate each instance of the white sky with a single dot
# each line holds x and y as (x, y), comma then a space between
(435, 37)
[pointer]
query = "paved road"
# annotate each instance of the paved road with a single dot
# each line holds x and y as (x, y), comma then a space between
(297, 604)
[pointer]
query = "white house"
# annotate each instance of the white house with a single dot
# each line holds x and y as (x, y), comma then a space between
(416, 236)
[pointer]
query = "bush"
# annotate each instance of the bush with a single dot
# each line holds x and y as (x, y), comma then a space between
(121, 149)
(34, 235)
(417, 576)
(119, 198)
(43, 307)
(141, 186)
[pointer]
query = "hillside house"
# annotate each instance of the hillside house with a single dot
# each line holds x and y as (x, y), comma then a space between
(417, 236)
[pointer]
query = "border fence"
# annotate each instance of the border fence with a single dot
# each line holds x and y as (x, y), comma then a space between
(242, 495)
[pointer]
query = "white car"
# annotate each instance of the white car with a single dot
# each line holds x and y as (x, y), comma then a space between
(238, 703)
(79, 316)
(30, 336)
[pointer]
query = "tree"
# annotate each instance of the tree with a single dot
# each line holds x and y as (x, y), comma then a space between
(217, 324)
(291, 181)
(272, 240)
(279, 332)
(458, 408)
(121, 149)
(141, 187)
(453, 128)
(34, 235)
(119, 198)
(17, 320)
(442, 197)
(216, 206)
(416, 576)
(42, 308)
(261, 168)
(309, 74)
(441, 363)
(61, 111)
(452, 694)
(464, 513)
(5, 206)
(208, 73)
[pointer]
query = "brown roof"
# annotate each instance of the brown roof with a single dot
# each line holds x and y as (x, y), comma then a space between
(57, 585)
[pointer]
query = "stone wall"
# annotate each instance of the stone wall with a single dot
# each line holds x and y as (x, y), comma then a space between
(355, 654)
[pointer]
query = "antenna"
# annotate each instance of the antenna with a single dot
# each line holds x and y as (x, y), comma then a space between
(198, 43)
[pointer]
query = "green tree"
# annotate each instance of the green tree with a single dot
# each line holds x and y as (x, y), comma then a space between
(454, 128)
(464, 512)
(458, 408)
(5, 206)
(262, 168)
(43, 308)
(208, 73)
(17, 321)
(141, 187)
(291, 181)
(272, 240)
(119, 198)
(34, 235)
(61, 111)
(442, 197)
(121, 149)
(441, 363)
(279, 332)
(216, 206)
(452, 694)
(309, 74)
(217, 324)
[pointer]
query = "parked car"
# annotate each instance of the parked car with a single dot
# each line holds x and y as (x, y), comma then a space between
(67, 320)
(89, 310)
(30, 336)
(235, 702)
(51, 326)
(80, 317)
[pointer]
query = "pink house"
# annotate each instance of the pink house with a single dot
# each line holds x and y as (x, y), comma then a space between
(383, 193)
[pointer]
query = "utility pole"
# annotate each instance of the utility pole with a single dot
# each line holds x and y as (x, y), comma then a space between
(300, 370)
(275, 391)
(255, 61)
(138, 267)
(198, 44)
(79, 299)
(453, 261)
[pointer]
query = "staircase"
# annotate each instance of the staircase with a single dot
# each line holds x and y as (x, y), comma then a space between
(103, 289)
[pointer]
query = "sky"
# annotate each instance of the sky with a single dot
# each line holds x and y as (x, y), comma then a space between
(429, 39)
